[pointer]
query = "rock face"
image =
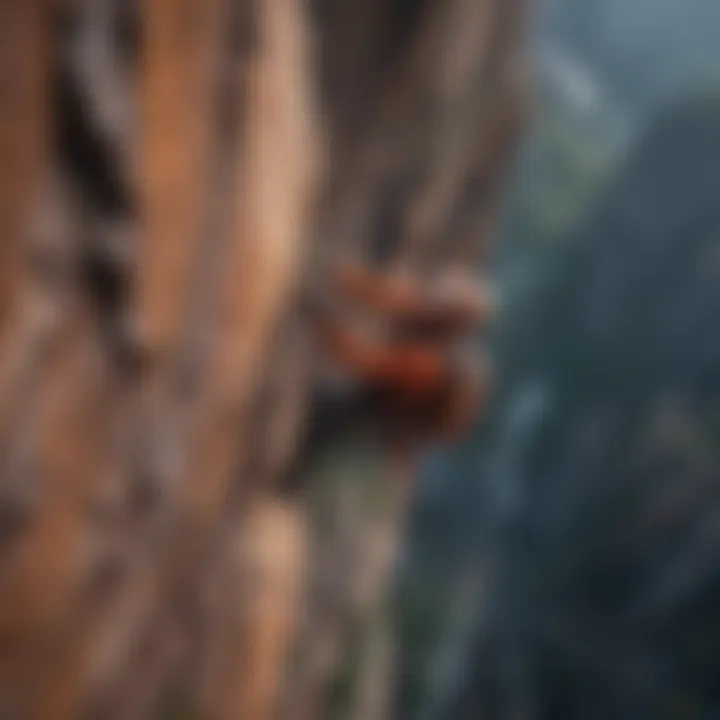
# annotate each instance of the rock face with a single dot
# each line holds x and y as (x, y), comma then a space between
(189, 164)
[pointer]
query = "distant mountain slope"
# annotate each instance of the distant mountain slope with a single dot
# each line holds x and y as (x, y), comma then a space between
(606, 600)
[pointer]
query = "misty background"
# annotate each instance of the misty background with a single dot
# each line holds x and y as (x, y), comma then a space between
(565, 563)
